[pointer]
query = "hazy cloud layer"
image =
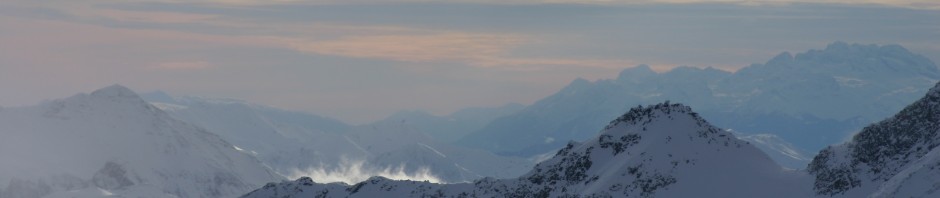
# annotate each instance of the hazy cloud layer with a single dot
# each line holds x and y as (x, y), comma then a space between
(362, 60)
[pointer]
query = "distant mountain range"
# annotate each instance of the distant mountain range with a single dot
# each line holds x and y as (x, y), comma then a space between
(810, 99)
(452, 127)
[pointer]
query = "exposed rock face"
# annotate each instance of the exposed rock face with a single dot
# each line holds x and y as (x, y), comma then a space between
(880, 151)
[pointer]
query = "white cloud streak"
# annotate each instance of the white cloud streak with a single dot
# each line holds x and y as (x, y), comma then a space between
(354, 171)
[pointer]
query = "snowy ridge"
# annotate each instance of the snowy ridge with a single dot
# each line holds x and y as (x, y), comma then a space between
(659, 150)
(881, 152)
(112, 143)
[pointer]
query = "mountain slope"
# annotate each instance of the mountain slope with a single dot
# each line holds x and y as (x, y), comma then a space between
(883, 152)
(111, 142)
(918, 180)
(281, 139)
(660, 150)
(851, 85)
(300, 144)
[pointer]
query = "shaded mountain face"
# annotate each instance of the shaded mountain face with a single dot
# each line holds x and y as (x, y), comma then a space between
(111, 142)
(300, 144)
(894, 157)
(810, 99)
(660, 150)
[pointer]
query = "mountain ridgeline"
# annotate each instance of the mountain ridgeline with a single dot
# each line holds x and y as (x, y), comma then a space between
(659, 150)
(812, 99)
(667, 150)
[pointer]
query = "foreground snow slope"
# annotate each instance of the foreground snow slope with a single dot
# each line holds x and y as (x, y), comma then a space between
(660, 150)
(111, 142)
(897, 157)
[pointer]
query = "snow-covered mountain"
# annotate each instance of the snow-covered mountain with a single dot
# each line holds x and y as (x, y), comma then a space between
(300, 144)
(113, 143)
(897, 157)
(663, 150)
(284, 140)
(811, 99)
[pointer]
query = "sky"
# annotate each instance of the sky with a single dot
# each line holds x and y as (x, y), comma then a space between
(362, 60)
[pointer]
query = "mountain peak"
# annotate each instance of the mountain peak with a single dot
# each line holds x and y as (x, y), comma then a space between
(646, 114)
(935, 90)
(108, 99)
(839, 45)
(636, 72)
(115, 90)
(781, 58)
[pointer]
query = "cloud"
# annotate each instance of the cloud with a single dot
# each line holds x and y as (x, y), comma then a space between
(486, 50)
(352, 171)
(143, 16)
(416, 48)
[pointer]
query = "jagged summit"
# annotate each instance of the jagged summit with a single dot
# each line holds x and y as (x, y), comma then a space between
(851, 59)
(934, 91)
(866, 60)
(636, 72)
(647, 114)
